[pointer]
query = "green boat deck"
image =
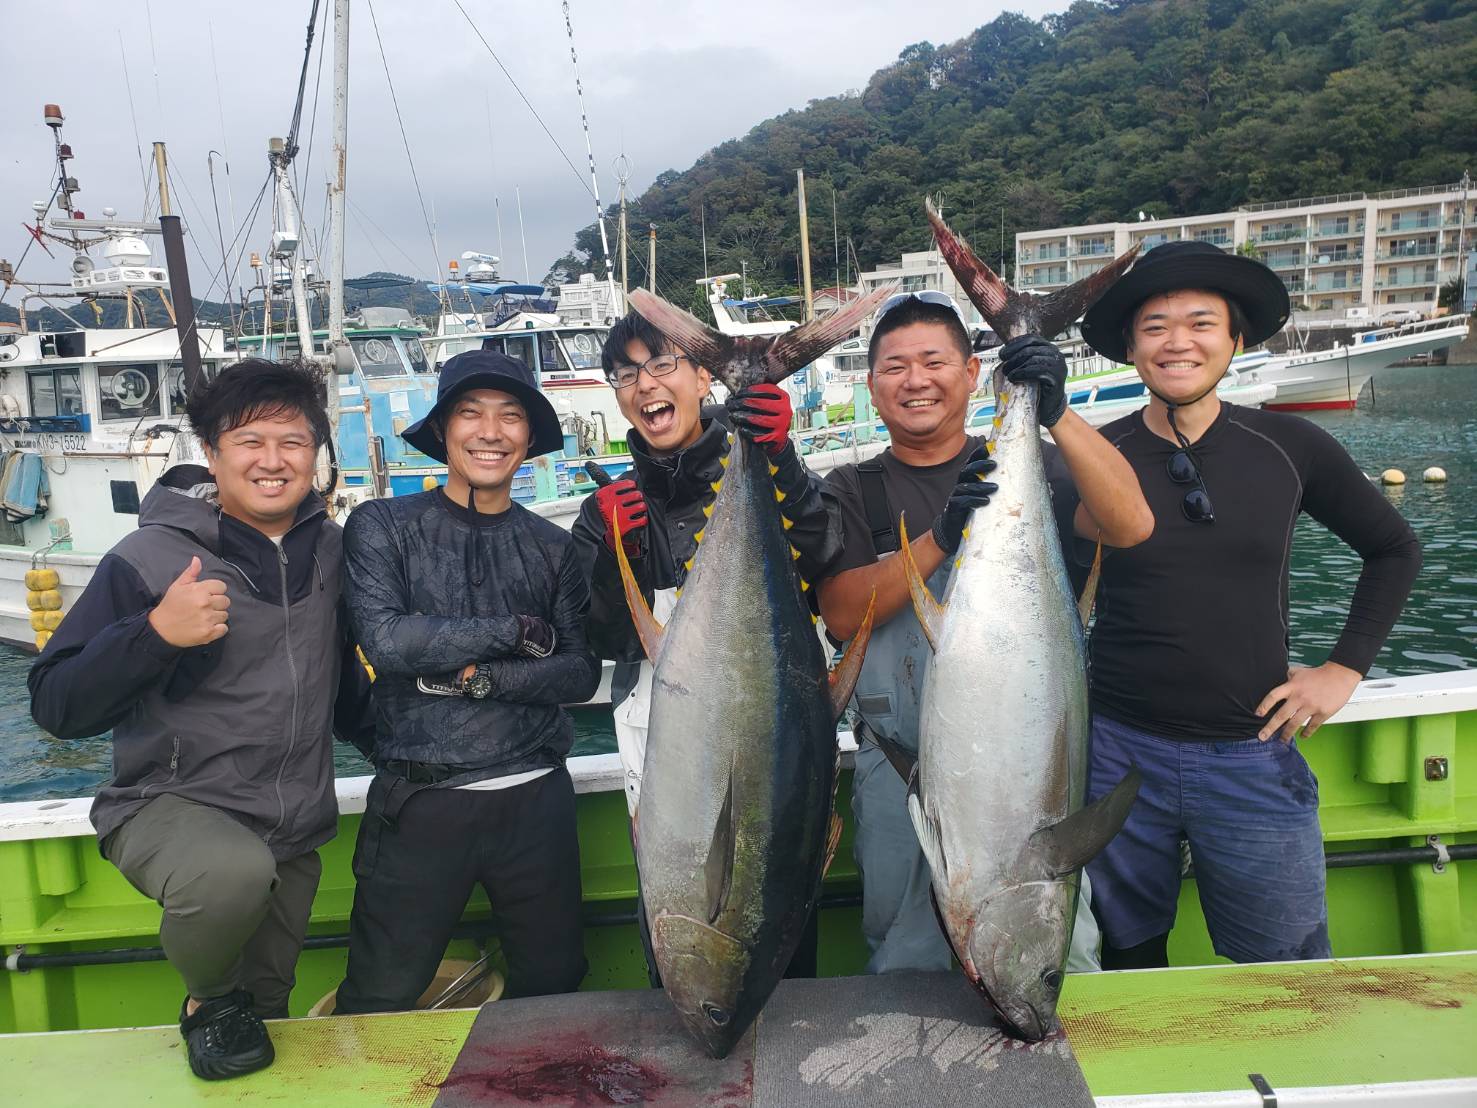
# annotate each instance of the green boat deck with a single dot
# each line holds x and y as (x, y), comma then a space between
(1354, 1022)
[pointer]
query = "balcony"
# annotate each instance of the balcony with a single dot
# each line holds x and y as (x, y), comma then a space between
(1044, 280)
(1347, 233)
(1281, 234)
(1095, 250)
(1403, 282)
(1044, 254)
(1422, 251)
(1327, 284)
(1294, 261)
(1336, 258)
(1399, 226)
(1454, 220)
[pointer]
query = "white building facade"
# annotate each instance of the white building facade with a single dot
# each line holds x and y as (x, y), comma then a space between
(919, 270)
(1352, 258)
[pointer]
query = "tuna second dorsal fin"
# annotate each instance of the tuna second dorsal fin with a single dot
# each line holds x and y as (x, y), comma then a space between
(718, 868)
(1076, 840)
(833, 840)
(1089, 590)
(844, 676)
(929, 611)
(648, 629)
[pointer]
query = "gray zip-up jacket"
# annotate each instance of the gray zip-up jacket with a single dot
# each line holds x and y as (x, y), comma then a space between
(243, 724)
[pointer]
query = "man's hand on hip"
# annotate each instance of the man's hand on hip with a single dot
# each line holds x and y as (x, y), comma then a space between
(1307, 698)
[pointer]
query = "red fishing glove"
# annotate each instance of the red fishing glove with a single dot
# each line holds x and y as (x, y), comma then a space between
(622, 501)
(763, 413)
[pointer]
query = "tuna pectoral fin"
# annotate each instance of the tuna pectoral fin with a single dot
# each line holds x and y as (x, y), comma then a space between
(929, 611)
(718, 869)
(647, 628)
(1076, 840)
(927, 829)
(1089, 590)
(844, 676)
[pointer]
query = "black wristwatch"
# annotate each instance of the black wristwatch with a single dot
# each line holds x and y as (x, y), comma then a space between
(479, 685)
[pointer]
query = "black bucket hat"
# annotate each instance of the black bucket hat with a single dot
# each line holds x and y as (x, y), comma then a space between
(1260, 293)
(487, 369)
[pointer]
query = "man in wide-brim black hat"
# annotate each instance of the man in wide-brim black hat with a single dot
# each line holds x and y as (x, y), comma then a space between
(471, 610)
(1190, 652)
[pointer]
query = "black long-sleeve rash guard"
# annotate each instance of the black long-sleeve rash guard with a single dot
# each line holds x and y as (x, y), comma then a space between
(1192, 628)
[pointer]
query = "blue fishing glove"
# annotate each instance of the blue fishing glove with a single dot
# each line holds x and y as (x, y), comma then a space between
(1031, 358)
(972, 492)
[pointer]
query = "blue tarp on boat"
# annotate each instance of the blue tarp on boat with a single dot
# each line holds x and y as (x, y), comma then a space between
(24, 488)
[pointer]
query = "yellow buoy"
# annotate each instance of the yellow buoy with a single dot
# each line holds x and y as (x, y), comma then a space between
(42, 637)
(48, 600)
(38, 621)
(1435, 475)
(50, 621)
(1392, 477)
(39, 580)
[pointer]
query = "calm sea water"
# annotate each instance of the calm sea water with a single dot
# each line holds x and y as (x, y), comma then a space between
(1418, 418)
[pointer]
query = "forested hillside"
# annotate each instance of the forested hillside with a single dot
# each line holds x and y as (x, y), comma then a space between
(1165, 106)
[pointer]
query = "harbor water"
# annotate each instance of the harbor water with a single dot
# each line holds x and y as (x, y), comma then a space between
(1416, 418)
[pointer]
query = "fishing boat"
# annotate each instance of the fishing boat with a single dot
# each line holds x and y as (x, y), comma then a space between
(1387, 1023)
(90, 416)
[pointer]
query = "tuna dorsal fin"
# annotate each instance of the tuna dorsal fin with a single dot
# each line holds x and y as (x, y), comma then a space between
(805, 344)
(1089, 590)
(929, 611)
(833, 840)
(844, 676)
(647, 628)
(900, 759)
(718, 868)
(1009, 312)
(1076, 840)
(927, 829)
(709, 347)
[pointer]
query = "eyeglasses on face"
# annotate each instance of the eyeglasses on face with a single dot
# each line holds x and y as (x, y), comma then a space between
(624, 375)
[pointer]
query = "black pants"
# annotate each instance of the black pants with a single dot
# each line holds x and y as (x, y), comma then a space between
(416, 870)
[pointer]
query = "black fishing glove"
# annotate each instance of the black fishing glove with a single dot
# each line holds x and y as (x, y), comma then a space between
(1031, 358)
(535, 637)
(972, 492)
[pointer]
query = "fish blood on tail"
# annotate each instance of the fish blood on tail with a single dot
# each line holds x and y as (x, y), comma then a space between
(996, 795)
(737, 796)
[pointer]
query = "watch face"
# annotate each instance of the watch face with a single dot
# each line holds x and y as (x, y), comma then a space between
(478, 686)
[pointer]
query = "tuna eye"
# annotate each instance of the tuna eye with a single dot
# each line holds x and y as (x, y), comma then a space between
(1052, 979)
(716, 1014)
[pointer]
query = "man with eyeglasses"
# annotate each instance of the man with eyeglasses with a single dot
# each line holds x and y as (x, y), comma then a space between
(1190, 674)
(678, 445)
(922, 371)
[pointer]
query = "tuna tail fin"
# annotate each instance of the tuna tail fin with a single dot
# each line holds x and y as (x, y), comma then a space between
(1076, 840)
(929, 611)
(709, 347)
(1089, 590)
(648, 629)
(1009, 312)
(718, 867)
(844, 676)
(805, 344)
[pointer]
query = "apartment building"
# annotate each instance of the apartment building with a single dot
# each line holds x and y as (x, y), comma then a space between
(919, 270)
(1345, 259)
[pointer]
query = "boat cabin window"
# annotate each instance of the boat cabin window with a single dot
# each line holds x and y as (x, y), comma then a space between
(583, 347)
(549, 354)
(55, 392)
(129, 391)
(514, 346)
(417, 354)
(176, 378)
(377, 356)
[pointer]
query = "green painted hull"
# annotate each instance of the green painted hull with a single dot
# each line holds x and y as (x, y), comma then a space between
(59, 895)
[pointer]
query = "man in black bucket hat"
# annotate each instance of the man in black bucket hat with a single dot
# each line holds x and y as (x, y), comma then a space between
(1190, 652)
(470, 608)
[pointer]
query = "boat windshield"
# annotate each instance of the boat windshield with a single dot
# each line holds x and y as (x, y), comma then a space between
(583, 347)
(377, 356)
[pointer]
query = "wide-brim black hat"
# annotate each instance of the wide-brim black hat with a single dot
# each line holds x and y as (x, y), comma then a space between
(487, 369)
(1258, 292)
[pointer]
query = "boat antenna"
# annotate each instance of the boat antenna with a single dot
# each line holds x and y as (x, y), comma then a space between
(589, 150)
(703, 215)
(497, 207)
(623, 174)
(138, 144)
(518, 196)
(225, 146)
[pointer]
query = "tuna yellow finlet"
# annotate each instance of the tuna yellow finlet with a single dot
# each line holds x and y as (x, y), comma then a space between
(787, 522)
(778, 495)
(773, 469)
(717, 485)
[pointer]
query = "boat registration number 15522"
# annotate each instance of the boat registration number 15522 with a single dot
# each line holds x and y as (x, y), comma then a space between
(52, 442)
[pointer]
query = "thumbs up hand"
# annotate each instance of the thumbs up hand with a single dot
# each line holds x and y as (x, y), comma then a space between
(192, 612)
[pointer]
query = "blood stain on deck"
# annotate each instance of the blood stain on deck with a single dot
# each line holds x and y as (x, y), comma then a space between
(584, 1075)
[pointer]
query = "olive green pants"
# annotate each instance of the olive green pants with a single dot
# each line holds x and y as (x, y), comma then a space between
(234, 916)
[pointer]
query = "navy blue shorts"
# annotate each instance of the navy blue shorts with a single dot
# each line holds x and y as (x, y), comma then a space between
(1249, 810)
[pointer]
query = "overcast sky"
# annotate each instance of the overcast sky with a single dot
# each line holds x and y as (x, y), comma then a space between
(664, 80)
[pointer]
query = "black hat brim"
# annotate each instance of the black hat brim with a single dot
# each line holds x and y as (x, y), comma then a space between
(1258, 291)
(545, 436)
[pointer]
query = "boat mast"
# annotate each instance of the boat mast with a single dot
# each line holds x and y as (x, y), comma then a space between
(341, 359)
(179, 278)
(804, 245)
(285, 242)
(651, 259)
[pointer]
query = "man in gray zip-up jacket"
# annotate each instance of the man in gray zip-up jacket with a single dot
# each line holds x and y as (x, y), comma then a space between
(212, 641)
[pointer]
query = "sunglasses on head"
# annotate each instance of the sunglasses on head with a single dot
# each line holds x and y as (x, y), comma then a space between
(926, 296)
(1184, 470)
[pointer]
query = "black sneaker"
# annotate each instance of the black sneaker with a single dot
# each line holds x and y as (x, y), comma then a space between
(225, 1037)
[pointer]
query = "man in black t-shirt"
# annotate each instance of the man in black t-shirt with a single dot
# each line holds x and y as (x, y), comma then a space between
(1190, 676)
(922, 372)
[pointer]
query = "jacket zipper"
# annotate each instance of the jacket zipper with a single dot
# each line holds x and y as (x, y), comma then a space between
(173, 770)
(292, 673)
